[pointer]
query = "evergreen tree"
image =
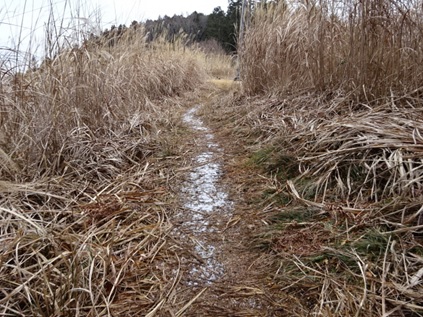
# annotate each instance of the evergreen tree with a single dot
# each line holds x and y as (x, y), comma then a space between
(216, 25)
(224, 26)
(233, 17)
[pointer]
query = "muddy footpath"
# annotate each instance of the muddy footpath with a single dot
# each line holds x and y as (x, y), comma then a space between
(220, 273)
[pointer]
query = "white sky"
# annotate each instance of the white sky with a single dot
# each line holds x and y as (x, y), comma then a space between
(22, 21)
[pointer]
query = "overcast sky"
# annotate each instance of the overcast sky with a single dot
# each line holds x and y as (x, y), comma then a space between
(25, 20)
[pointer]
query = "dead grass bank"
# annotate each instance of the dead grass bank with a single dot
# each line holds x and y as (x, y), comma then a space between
(341, 197)
(329, 113)
(84, 196)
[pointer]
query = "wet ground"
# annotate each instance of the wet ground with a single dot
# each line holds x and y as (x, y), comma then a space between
(218, 266)
(206, 204)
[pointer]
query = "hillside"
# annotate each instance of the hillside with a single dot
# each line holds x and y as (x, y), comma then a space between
(219, 27)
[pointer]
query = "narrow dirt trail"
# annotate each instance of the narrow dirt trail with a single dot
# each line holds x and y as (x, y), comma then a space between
(219, 270)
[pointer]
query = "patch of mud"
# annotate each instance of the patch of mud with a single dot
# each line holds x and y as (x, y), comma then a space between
(206, 206)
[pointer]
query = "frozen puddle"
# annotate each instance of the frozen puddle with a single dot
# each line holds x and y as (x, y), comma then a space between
(206, 206)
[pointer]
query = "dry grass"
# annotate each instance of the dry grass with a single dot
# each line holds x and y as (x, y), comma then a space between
(84, 196)
(89, 94)
(217, 63)
(330, 111)
(101, 258)
(343, 201)
(369, 49)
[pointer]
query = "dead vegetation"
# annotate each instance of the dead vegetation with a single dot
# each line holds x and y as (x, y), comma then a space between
(366, 49)
(84, 196)
(330, 109)
(342, 200)
(329, 115)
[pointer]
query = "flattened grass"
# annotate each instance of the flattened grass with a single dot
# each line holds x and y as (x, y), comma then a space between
(99, 258)
(352, 244)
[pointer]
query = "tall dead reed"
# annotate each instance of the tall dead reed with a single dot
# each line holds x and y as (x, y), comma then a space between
(87, 93)
(332, 108)
(370, 49)
(84, 215)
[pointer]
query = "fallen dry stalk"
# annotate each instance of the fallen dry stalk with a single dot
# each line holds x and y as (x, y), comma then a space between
(99, 256)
